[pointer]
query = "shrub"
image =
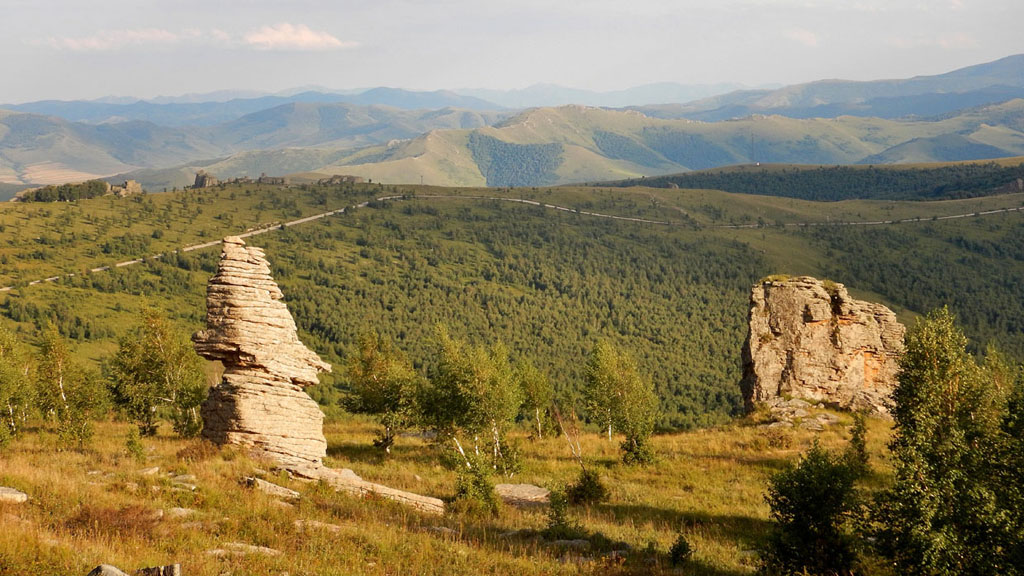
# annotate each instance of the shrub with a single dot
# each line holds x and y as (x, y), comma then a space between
(587, 490)
(811, 505)
(560, 525)
(474, 491)
(681, 551)
(133, 446)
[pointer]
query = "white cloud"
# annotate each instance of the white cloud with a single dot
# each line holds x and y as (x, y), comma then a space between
(286, 36)
(802, 36)
(114, 39)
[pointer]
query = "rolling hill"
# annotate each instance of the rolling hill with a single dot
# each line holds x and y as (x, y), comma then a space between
(37, 149)
(548, 146)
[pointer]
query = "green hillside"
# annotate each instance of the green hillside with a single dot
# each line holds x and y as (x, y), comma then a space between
(832, 183)
(571, 144)
(546, 282)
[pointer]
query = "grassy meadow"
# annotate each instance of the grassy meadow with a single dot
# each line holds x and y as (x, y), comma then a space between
(99, 506)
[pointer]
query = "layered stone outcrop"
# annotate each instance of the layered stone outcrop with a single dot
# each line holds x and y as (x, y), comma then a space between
(809, 339)
(260, 403)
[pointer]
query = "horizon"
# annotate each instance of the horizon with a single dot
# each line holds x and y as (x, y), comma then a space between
(61, 50)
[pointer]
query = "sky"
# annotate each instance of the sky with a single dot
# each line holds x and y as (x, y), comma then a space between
(78, 49)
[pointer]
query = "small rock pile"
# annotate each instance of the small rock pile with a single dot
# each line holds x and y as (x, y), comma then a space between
(795, 412)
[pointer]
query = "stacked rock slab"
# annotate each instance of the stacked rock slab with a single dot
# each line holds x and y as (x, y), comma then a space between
(809, 339)
(260, 403)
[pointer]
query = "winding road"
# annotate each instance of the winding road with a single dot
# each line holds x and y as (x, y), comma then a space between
(304, 220)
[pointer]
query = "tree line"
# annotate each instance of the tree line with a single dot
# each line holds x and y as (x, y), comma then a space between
(835, 183)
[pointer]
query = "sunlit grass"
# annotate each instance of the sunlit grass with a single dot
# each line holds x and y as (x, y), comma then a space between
(97, 506)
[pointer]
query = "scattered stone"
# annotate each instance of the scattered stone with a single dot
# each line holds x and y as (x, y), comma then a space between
(272, 489)
(184, 479)
(812, 425)
(178, 513)
(106, 570)
(522, 494)
(12, 496)
(346, 480)
(149, 471)
(260, 402)
(810, 340)
(240, 549)
(443, 530)
(305, 525)
(170, 570)
(826, 418)
(779, 424)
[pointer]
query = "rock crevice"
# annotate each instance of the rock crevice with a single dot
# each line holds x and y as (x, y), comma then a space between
(809, 339)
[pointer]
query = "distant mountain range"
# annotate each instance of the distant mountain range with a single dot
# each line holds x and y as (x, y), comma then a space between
(920, 96)
(472, 138)
(549, 146)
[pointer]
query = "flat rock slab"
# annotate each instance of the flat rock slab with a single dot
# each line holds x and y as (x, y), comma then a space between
(177, 513)
(307, 525)
(272, 489)
(522, 494)
(240, 549)
(11, 495)
(106, 570)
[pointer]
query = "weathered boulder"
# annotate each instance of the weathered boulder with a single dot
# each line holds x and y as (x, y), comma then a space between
(11, 495)
(260, 403)
(809, 339)
(522, 494)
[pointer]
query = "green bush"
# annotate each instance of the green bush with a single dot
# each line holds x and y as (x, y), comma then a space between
(560, 525)
(681, 551)
(812, 504)
(587, 490)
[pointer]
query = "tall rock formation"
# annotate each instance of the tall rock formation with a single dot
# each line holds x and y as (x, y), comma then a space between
(260, 403)
(809, 339)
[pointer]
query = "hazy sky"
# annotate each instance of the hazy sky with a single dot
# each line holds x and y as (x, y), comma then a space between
(68, 49)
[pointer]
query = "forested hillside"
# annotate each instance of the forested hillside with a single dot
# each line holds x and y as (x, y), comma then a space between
(832, 183)
(547, 283)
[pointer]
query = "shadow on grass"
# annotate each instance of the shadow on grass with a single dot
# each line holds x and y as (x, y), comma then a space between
(746, 531)
(370, 454)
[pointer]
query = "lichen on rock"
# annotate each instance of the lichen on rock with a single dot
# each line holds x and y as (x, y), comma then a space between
(809, 339)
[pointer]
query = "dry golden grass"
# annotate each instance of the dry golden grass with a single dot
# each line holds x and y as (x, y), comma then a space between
(97, 506)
